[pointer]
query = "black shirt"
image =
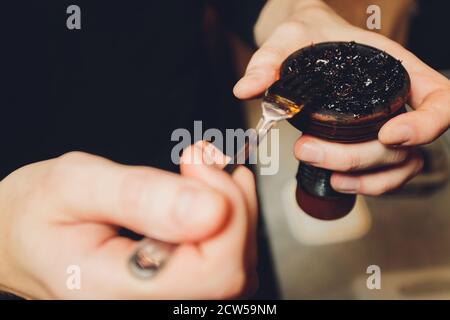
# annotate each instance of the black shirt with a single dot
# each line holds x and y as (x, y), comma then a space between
(118, 87)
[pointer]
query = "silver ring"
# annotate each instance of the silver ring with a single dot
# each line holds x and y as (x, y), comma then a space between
(150, 257)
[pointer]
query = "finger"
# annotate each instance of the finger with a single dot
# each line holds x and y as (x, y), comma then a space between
(207, 153)
(180, 278)
(264, 65)
(426, 123)
(106, 274)
(227, 250)
(377, 183)
(347, 157)
(149, 201)
(232, 240)
(245, 181)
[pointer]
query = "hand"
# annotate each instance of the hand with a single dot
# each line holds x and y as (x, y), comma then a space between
(66, 211)
(391, 159)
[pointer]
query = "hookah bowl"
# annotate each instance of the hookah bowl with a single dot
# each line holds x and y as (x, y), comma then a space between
(349, 90)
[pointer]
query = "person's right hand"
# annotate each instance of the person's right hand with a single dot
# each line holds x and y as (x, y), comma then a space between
(65, 211)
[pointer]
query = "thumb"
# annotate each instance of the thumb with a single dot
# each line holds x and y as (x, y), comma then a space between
(421, 126)
(149, 201)
(263, 68)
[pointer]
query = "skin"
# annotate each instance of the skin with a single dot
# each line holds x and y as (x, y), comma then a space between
(65, 211)
(370, 168)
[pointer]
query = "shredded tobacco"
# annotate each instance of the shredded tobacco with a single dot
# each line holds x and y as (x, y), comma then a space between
(343, 77)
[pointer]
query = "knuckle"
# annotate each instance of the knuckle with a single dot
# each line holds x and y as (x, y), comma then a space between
(355, 162)
(396, 156)
(63, 168)
(352, 161)
(420, 162)
(417, 164)
(63, 176)
(57, 173)
(433, 124)
(74, 158)
(437, 121)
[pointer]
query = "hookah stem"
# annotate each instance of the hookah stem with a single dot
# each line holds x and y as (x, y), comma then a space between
(251, 144)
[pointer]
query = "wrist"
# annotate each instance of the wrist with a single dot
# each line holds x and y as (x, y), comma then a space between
(314, 12)
(304, 13)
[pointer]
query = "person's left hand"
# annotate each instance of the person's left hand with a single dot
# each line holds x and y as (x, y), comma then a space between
(373, 167)
(59, 220)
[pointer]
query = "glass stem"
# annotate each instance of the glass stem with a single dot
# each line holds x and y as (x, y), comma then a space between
(251, 144)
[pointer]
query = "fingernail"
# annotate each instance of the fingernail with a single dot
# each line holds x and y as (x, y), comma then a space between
(312, 152)
(347, 184)
(400, 134)
(210, 154)
(195, 156)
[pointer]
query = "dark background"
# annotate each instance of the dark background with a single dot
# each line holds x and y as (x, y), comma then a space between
(135, 72)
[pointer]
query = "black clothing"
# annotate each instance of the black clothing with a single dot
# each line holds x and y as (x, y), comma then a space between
(428, 37)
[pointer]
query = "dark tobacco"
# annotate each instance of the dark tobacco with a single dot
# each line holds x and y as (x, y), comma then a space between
(343, 78)
(348, 91)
